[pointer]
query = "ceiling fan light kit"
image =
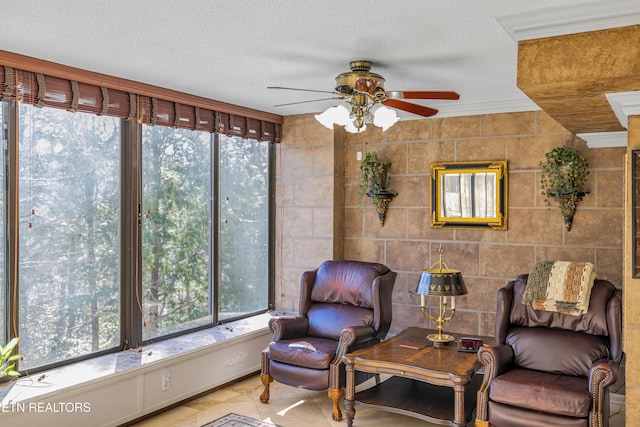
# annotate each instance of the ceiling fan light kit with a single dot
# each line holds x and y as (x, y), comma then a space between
(342, 115)
(364, 100)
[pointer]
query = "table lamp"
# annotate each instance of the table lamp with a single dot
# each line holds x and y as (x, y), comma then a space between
(442, 282)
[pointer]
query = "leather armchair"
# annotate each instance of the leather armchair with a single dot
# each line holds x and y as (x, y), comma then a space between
(344, 306)
(548, 368)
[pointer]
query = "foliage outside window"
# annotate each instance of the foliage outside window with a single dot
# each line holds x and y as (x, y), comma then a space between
(69, 288)
(72, 288)
(176, 192)
(243, 227)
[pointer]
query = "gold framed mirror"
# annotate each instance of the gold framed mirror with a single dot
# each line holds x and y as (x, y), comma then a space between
(469, 195)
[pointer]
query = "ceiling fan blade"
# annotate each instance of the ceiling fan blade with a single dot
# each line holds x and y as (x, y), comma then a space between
(412, 108)
(407, 94)
(303, 90)
(304, 102)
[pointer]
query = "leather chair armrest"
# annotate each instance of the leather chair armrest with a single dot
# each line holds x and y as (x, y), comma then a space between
(352, 335)
(603, 373)
(287, 328)
(496, 359)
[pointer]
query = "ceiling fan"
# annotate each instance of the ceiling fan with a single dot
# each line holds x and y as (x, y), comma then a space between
(362, 93)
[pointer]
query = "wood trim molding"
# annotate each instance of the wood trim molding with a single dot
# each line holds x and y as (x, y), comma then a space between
(53, 69)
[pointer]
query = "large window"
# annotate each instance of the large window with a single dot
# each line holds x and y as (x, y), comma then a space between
(176, 194)
(128, 213)
(69, 289)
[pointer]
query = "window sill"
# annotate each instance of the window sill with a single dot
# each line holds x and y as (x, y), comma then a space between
(67, 377)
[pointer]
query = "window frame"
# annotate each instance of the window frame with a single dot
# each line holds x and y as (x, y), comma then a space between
(29, 80)
(130, 236)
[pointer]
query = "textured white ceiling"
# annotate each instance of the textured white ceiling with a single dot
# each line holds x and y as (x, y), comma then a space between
(232, 50)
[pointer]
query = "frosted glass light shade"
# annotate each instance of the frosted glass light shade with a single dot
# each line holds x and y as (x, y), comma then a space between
(384, 117)
(337, 115)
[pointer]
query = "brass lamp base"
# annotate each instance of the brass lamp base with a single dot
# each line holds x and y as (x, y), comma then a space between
(440, 338)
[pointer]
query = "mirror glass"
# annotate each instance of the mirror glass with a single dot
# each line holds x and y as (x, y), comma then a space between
(469, 195)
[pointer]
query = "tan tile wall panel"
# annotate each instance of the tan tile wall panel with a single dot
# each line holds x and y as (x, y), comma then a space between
(538, 226)
(610, 186)
(455, 127)
(323, 161)
(597, 227)
(632, 395)
(631, 296)
(406, 243)
(469, 150)
(487, 324)
(420, 220)
(480, 236)
(506, 261)
(297, 161)
(526, 152)
(395, 224)
(528, 188)
(409, 130)
(401, 295)
(609, 262)
(545, 124)
(309, 132)
(464, 322)
(306, 193)
(413, 190)
(508, 124)
(422, 154)
(568, 253)
(368, 250)
(322, 222)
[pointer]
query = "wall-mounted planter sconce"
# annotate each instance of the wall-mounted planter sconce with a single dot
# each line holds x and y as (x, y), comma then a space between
(381, 201)
(568, 205)
(563, 179)
(375, 183)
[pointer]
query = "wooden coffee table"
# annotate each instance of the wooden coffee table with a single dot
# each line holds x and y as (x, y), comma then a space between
(434, 383)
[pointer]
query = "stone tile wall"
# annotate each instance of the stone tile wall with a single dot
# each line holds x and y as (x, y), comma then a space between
(631, 295)
(320, 217)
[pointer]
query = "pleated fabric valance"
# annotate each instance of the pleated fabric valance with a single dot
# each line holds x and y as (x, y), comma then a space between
(44, 90)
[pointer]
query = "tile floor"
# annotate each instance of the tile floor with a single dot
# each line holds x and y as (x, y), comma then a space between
(288, 407)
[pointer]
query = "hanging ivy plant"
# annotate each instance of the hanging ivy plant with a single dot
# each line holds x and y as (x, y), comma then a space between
(564, 175)
(374, 178)
(375, 183)
(563, 179)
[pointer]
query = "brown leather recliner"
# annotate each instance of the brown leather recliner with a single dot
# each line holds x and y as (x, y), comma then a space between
(551, 369)
(344, 306)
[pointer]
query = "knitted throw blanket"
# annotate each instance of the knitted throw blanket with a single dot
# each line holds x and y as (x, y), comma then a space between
(560, 286)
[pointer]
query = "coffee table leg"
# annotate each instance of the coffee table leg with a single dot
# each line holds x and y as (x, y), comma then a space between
(458, 406)
(350, 389)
